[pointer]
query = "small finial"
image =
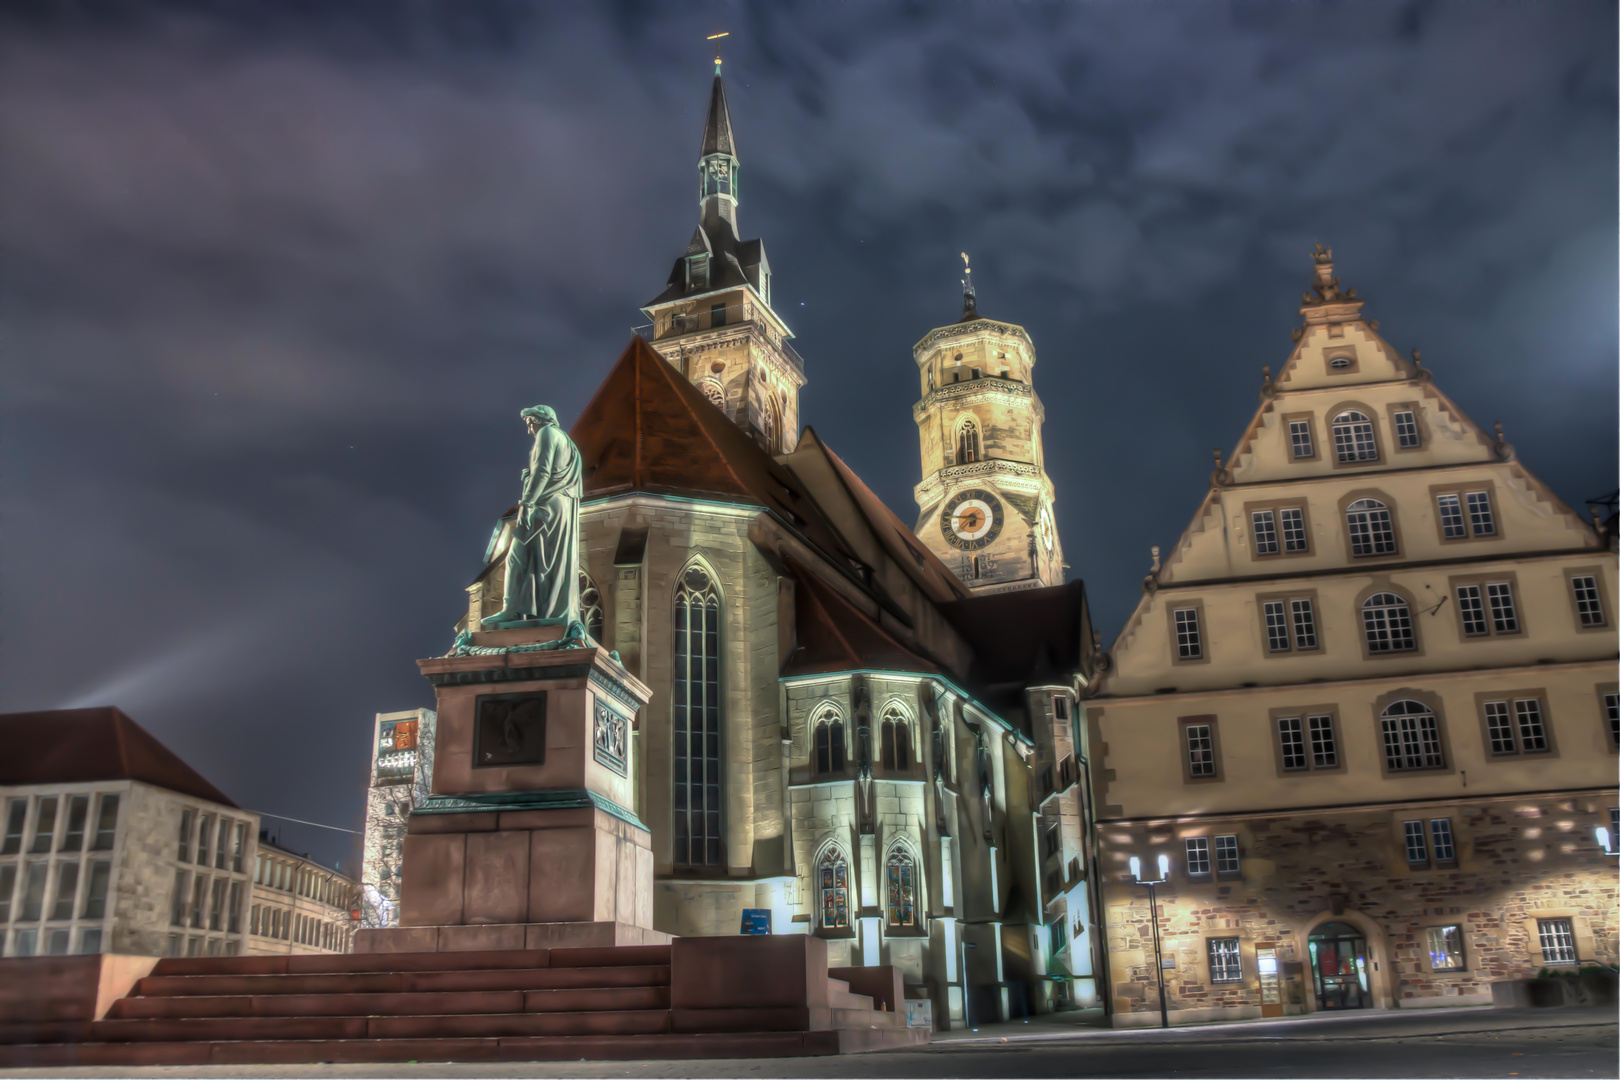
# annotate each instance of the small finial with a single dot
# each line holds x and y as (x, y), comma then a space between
(1155, 550)
(1217, 453)
(1265, 375)
(1498, 427)
(1417, 358)
(716, 39)
(1322, 255)
(1597, 517)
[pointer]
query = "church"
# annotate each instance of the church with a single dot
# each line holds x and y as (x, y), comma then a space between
(866, 730)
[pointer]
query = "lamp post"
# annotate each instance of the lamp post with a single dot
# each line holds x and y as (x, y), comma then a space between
(1153, 908)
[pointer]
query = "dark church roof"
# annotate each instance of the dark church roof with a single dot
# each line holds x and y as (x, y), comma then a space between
(648, 429)
(72, 746)
(1031, 637)
(832, 634)
(717, 128)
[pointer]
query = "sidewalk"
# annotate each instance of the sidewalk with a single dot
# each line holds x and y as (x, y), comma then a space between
(1360, 1024)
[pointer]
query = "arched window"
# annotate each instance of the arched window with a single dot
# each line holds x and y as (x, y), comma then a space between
(767, 420)
(695, 752)
(896, 740)
(901, 872)
(1411, 737)
(714, 392)
(832, 882)
(1353, 437)
(590, 606)
(829, 743)
(1372, 530)
(1388, 623)
(967, 442)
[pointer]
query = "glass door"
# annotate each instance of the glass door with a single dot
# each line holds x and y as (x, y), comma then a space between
(1339, 965)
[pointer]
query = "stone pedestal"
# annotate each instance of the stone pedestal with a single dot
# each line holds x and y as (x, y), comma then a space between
(529, 839)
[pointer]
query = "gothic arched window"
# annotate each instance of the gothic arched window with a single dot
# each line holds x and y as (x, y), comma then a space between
(901, 872)
(590, 606)
(1387, 622)
(829, 743)
(896, 740)
(1353, 437)
(832, 883)
(695, 752)
(1411, 737)
(714, 392)
(967, 442)
(767, 421)
(1372, 529)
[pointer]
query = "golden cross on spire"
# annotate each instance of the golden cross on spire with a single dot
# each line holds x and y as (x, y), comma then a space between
(716, 39)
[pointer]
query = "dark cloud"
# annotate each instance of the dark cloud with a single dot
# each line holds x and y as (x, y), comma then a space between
(277, 277)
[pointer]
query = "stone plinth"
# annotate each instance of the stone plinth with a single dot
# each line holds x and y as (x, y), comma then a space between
(529, 839)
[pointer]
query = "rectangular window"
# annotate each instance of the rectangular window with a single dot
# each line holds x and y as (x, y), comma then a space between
(67, 889)
(1304, 624)
(1226, 855)
(1451, 517)
(1504, 616)
(95, 896)
(106, 823)
(8, 886)
(216, 906)
(33, 900)
(1532, 731)
(16, 815)
(1200, 750)
(1588, 601)
(1299, 439)
(45, 825)
(238, 847)
(1445, 948)
(1060, 708)
(1412, 741)
(1499, 728)
(1225, 960)
(1291, 737)
(90, 941)
(199, 897)
(1440, 832)
(1324, 747)
(1417, 849)
(1265, 532)
(177, 905)
(78, 809)
(1189, 642)
(1557, 940)
(27, 943)
(188, 819)
(1472, 606)
(1611, 710)
(1294, 537)
(1197, 855)
(221, 849)
(1276, 626)
(205, 828)
(717, 315)
(56, 942)
(1406, 429)
(1480, 518)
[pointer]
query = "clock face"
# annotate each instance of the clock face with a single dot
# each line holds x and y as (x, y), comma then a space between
(1048, 530)
(971, 519)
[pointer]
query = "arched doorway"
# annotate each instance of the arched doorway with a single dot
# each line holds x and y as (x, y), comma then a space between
(1341, 966)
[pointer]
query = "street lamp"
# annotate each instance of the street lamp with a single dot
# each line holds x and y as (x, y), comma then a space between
(1153, 907)
(1603, 842)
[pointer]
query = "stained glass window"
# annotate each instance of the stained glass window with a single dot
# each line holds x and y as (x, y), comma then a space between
(902, 889)
(834, 892)
(696, 749)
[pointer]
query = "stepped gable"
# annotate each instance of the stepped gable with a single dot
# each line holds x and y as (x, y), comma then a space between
(68, 746)
(1032, 637)
(835, 635)
(649, 430)
(909, 553)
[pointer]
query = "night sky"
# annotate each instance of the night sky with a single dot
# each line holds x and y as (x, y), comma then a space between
(276, 279)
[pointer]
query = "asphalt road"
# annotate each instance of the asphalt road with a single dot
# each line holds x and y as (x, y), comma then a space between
(1469, 1043)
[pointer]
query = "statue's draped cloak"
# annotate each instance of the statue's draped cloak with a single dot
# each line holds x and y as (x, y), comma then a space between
(546, 532)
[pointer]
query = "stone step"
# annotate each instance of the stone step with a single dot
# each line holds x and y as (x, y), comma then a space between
(785, 1018)
(306, 1028)
(472, 960)
(516, 1048)
(396, 982)
(613, 999)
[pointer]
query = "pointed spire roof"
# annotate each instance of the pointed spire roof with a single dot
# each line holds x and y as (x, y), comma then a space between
(717, 129)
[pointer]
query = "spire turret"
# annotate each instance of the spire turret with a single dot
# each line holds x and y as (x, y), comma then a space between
(970, 303)
(717, 161)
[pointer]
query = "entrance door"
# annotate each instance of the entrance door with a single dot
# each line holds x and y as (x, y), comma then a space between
(1339, 965)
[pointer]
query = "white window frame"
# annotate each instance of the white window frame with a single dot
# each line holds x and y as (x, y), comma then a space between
(1354, 439)
(1198, 864)
(1386, 624)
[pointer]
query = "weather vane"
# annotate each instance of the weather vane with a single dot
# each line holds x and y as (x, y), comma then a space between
(716, 39)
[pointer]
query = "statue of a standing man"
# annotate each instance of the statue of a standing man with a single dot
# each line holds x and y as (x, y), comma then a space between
(542, 562)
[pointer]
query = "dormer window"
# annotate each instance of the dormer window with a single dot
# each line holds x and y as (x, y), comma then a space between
(697, 271)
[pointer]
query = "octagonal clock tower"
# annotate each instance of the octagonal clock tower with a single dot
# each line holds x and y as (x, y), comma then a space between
(985, 501)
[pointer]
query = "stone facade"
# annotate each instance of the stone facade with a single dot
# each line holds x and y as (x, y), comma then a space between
(401, 778)
(300, 908)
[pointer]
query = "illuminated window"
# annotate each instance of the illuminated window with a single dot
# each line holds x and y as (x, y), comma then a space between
(968, 447)
(1197, 855)
(834, 887)
(1445, 948)
(1557, 940)
(697, 722)
(902, 876)
(1225, 960)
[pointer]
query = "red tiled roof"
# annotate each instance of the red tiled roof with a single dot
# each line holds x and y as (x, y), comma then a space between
(648, 429)
(835, 635)
(69, 746)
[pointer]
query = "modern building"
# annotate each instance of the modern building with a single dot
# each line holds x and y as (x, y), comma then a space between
(299, 906)
(1366, 707)
(401, 777)
(113, 844)
(843, 732)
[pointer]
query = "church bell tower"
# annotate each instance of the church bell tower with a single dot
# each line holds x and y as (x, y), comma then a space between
(985, 501)
(714, 321)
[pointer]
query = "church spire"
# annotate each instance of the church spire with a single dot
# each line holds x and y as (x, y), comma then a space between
(970, 302)
(717, 161)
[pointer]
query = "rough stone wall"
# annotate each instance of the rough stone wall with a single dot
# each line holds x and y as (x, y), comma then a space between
(144, 879)
(1516, 859)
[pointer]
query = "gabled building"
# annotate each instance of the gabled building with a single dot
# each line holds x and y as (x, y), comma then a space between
(1367, 706)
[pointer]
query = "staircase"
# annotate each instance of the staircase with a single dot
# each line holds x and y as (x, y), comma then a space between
(521, 1005)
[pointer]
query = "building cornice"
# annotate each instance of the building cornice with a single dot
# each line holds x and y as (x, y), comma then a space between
(965, 329)
(986, 387)
(1382, 568)
(1368, 807)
